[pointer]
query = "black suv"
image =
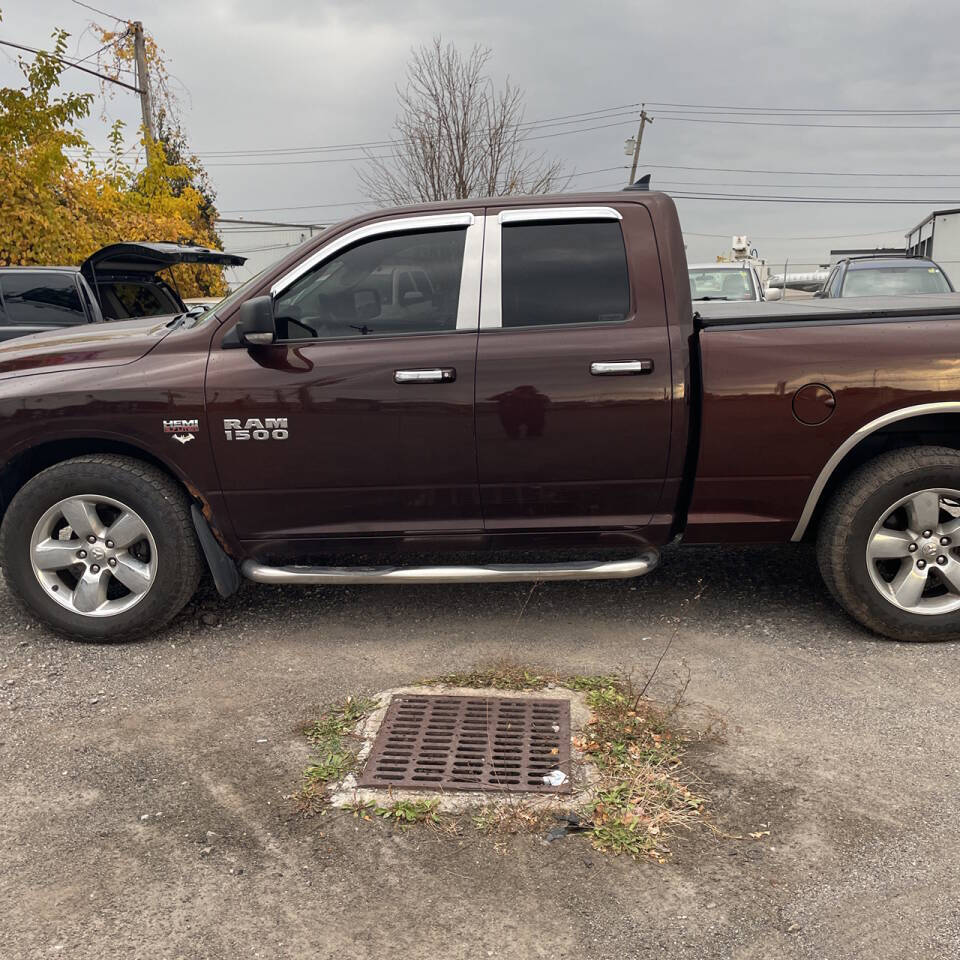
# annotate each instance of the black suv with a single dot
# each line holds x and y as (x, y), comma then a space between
(118, 282)
(884, 276)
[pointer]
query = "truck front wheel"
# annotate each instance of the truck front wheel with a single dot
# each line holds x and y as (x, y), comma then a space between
(101, 547)
(889, 544)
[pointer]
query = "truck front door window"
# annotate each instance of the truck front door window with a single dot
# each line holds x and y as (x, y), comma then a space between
(400, 284)
(557, 273)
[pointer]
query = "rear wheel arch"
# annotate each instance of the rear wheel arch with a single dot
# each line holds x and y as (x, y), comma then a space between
(932, 424)
(888, 546)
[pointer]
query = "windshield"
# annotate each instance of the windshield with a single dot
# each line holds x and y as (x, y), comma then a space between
(894, 281)
(722, 284)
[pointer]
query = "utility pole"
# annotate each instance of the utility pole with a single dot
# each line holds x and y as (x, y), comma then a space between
(143, 80)
(636, 141)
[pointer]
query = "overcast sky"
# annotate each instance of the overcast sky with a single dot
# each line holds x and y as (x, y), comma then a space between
(305, 73)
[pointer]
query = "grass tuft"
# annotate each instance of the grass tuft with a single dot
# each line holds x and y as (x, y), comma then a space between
(335, 749)
(502, 675)
(642, 796)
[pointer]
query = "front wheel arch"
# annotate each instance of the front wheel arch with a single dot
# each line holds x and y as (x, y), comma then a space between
(82, 549)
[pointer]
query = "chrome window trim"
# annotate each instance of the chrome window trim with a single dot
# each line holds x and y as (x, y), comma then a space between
(491, 314)
(904, 413)
(375, 229)
(468, 306)
(525, 214)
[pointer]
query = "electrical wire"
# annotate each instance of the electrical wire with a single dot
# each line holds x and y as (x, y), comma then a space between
(829, 126)
(851, 111)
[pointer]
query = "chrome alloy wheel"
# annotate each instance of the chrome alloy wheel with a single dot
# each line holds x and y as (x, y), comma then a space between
(93, 555)
(913, 552)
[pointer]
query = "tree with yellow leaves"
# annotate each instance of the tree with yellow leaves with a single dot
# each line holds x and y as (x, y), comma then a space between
(58, 205)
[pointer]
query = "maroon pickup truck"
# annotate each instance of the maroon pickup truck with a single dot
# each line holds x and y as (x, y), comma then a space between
(431, 394)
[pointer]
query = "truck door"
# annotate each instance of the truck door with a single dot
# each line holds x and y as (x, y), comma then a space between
(573, 370)
(359, 421)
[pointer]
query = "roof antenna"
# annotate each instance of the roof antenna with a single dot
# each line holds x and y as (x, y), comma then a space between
(642, 184)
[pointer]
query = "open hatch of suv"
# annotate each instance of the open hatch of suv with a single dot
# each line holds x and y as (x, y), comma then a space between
(118, 282)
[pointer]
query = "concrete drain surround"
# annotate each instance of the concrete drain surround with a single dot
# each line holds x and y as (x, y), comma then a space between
(473, 743)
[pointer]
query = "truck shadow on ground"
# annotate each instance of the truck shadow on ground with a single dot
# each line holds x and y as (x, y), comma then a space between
(769, 588)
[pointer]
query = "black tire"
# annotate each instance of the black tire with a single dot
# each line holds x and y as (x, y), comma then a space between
(164, 508)
(845, 530)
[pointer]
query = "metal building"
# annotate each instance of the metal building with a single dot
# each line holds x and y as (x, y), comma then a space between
(262, 242)
(938, 237)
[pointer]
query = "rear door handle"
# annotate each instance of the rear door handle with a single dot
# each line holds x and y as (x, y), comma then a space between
(621, 368)
(426, 375)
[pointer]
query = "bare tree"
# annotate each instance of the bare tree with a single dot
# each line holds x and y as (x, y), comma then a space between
(458, 136)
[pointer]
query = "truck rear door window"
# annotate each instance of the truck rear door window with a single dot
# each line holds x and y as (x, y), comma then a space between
(43, 298)
(556, 272)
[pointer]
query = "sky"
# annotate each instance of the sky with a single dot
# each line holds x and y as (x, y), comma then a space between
(252, 75)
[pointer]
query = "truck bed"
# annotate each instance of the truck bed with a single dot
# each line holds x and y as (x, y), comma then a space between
(760, 457)
(723, 313)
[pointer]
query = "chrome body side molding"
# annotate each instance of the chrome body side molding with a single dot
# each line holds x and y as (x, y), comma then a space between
(905, 413)
(495, 573)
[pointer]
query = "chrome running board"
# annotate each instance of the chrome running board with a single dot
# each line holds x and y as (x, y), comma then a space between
(495, 573)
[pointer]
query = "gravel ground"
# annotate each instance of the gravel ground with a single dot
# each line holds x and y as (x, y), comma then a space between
(142, 787)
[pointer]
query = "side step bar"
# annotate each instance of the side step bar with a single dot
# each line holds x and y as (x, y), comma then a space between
(495, 573)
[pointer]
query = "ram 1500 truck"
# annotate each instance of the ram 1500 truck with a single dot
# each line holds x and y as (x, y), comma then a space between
(475, 382)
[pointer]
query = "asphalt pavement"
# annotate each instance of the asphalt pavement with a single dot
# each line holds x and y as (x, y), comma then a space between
(144, 788)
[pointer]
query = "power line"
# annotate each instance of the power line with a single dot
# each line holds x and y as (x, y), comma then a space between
(794, 186)
(585, 117)
(296, 163)
(836, 236)
(354, 203)
(304, 206)
(90, 56)
(748, 198)
(625, 110)
(389, 156)
(103, 13)
(798, 173)
(830, 126)
(852, 111)
(71, 63)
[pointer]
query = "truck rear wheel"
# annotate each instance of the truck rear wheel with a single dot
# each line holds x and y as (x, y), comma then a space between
(101, 547)
(889, 544)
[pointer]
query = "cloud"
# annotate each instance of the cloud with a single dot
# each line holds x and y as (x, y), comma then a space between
(297, 73)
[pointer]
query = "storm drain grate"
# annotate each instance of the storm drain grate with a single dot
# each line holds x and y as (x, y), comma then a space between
(472, 743)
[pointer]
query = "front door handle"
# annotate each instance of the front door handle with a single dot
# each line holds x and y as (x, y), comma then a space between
(426, 375)
(621, 368)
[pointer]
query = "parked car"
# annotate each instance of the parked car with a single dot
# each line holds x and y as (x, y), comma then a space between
(728, 281)
(884, 276)
(115, 283)
(549, 392)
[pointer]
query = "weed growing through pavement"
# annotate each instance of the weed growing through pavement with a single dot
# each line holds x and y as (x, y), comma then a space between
(643, 795)
(335, 749)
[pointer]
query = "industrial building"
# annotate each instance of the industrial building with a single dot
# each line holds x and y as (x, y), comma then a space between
(262, 242)
(938, 237)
